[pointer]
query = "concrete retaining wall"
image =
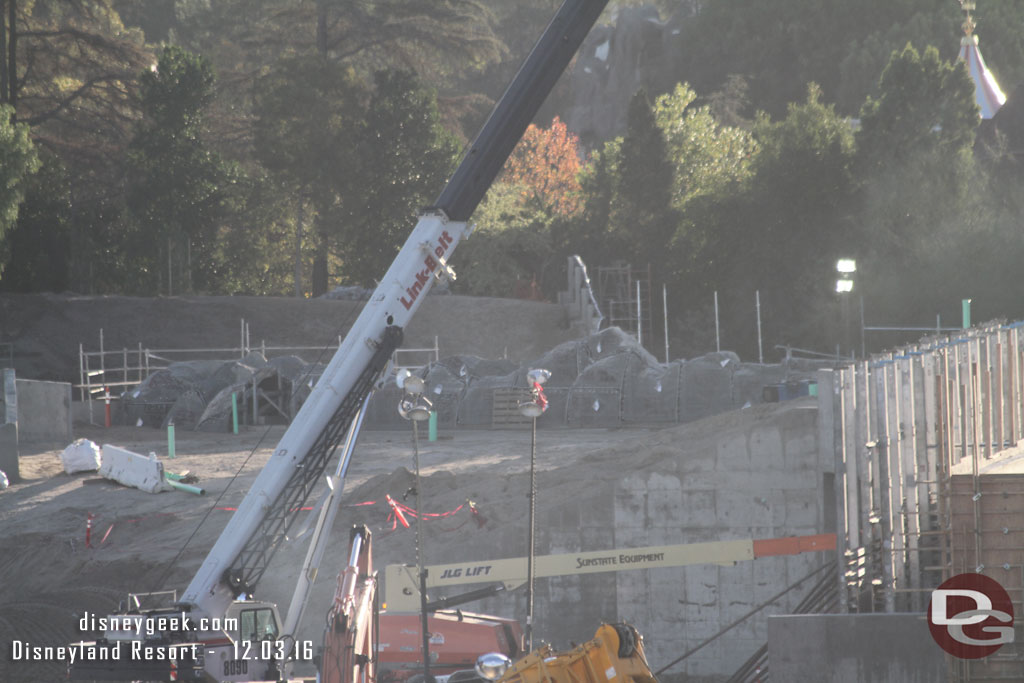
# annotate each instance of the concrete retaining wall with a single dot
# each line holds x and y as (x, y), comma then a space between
(9, 426)
(44, 412)
(747, 474)
(854, 648)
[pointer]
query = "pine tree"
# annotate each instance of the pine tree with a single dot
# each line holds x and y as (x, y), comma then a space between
(642, 219)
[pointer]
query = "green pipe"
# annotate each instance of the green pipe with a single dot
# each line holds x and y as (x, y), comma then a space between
(170, 439)
(175, 476)
(234, 412)
(432, 426)
(185, 487)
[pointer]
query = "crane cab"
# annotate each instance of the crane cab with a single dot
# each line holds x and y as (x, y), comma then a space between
(249, 646)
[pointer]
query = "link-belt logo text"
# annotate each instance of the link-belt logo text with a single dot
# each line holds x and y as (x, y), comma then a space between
(423, 277)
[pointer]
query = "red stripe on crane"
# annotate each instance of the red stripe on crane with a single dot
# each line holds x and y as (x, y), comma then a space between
(794, 545)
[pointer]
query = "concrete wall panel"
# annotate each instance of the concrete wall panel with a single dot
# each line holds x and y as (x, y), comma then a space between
(854, 648)
(9, 451)
(9, 426)
(754, 474)
(44, 412)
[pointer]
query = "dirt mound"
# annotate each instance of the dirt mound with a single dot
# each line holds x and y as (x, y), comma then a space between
(46, 329)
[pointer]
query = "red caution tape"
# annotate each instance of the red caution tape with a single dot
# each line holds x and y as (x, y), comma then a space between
(400, 513)
(397, 512)
(234, 509)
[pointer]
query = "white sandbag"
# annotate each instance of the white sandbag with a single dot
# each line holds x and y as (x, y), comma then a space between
(81, 456)
(132, 469)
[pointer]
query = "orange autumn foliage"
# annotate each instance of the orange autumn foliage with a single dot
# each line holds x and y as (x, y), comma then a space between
(545, 164)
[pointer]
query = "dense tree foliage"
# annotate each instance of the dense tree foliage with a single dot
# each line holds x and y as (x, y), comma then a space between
(546, 164)
(363, 157)
(18, 161)
(406, 156)
(779, 231)
(71, 76)
(523, 222)
(285, 146)
(178, 190)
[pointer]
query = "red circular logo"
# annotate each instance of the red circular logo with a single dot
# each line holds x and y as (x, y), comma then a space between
(970, 616)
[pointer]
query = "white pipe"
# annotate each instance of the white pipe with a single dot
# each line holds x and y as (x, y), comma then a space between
(664, 307)
(639, 317)
(760, 352)
(718, 336)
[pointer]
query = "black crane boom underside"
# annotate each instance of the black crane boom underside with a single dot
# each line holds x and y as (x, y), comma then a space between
(248, 568)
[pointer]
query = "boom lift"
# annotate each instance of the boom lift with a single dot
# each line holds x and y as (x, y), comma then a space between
(616, 652)
(401, 590)
(217, 631)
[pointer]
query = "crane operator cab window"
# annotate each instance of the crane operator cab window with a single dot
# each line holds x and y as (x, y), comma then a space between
(257, 624)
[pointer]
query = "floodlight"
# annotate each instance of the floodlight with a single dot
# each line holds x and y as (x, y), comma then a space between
(846, 265)
(414, 385)
(844, 286)
(416, 410)
(538, 375)
(492, 666)
(531, 409)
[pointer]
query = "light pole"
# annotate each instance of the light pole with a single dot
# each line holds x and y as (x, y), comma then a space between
(532, 408)
(846, 267)
(415, 406)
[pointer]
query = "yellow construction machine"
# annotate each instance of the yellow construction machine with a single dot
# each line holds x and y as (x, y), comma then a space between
(614, 655)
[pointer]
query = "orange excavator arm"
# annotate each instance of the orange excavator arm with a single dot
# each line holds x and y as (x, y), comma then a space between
(350, 647)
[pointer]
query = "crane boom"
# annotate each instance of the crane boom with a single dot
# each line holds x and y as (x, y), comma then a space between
(243, 552)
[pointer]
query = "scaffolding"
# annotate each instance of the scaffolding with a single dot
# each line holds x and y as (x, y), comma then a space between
(624, 294)
(913, 430)
(104, 374)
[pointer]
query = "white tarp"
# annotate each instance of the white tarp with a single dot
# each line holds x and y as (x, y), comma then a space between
(81, 456)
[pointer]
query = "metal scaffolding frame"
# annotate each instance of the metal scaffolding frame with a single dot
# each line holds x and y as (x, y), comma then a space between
(624, 294)
(104, 374)
(912, 430)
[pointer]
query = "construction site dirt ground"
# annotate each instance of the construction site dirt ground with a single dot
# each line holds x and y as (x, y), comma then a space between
(143, 542)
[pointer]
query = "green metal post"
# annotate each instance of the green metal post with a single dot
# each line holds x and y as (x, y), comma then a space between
(432, 426)
(170, 439)
(967, 313)
(234, 412)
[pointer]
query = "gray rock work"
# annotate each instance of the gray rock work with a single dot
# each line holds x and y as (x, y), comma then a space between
(638, 51)
(196, 395)
(604, 380)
